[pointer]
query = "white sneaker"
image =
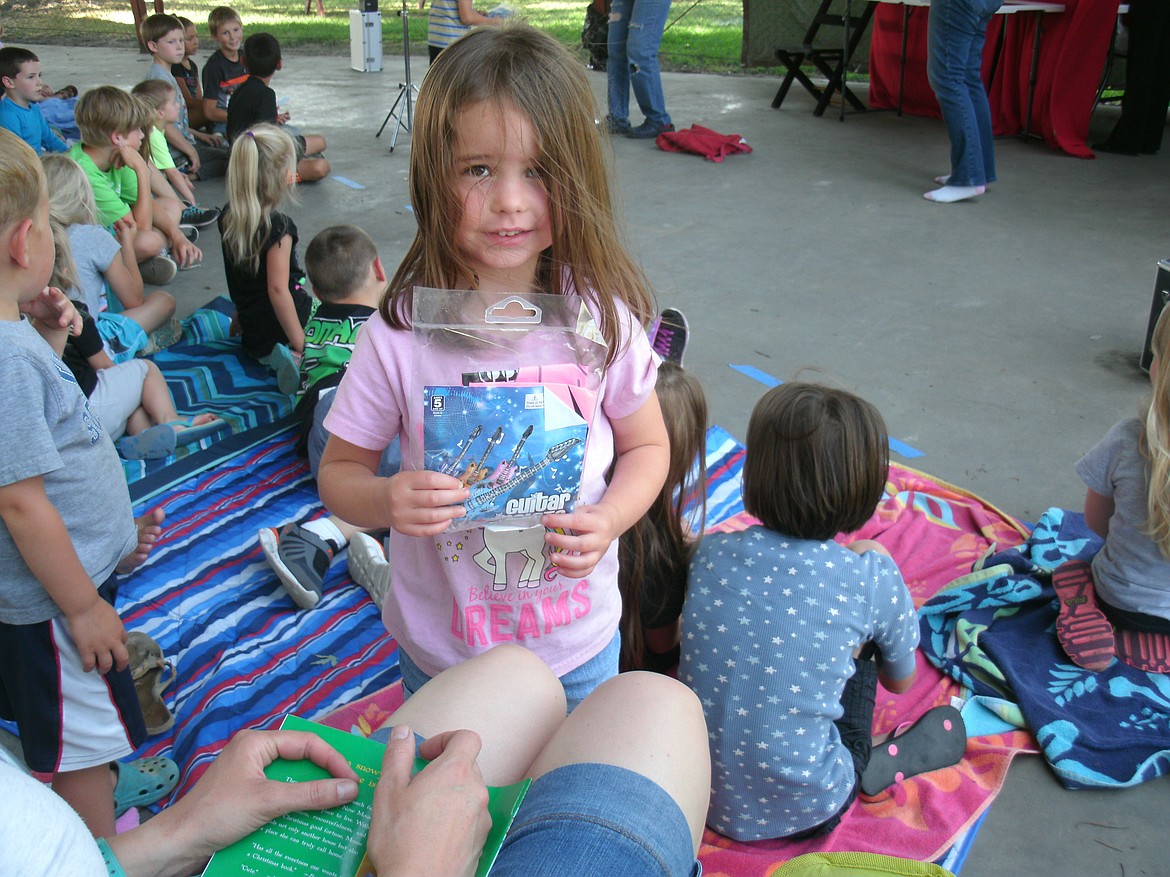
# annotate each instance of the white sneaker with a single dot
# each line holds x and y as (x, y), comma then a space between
(369, 567)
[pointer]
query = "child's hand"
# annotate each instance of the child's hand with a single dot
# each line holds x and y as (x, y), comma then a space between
(53, 308)
(127, 156)
(184, 252)
(126, 229)
(424, 503)
(149, 528)
(592, 529)
(100, 637)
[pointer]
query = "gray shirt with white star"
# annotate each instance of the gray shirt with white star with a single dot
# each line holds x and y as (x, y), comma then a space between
(770, 625)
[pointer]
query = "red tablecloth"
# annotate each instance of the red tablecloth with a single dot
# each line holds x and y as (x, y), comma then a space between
(1073, 48)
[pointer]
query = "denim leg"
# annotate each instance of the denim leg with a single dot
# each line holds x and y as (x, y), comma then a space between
(957, 30)
(618, 66)
(647, 22)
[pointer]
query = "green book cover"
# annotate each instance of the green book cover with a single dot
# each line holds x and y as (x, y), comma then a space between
(332, 843)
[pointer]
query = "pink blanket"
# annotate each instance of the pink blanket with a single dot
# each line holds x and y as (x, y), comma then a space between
(935, 531)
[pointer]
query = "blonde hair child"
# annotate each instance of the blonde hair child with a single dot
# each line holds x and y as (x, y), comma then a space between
(162, 103)
(264, 276)
(511, 193)
(1113, 607)
(103, 261)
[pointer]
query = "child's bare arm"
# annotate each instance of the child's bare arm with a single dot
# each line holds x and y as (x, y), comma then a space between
(1098, 511)
(413, 502)
(180, 184)
(176, 139)
(54, 317)
(211, 112)
(277, 263)
(123, 275)
(44, 544)
(143, 207)
(643, 455)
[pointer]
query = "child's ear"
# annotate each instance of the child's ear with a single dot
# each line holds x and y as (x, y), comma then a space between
(7, 81)
(280, 64)
(152, 47)
(379, 271)
(18, 244)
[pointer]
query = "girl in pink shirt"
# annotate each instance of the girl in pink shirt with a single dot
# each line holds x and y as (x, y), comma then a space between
(511, 193)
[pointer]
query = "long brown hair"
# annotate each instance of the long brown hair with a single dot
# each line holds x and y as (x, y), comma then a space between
(517, 66)
(657, 550)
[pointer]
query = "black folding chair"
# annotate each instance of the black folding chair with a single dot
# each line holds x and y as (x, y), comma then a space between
(830, 61)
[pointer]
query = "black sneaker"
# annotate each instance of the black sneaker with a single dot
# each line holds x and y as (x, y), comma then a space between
(648, 130)
(300, 559)
(614, 125)
(669, 334)
(199, 216)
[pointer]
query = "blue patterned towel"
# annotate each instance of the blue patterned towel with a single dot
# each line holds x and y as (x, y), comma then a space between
(994, 632)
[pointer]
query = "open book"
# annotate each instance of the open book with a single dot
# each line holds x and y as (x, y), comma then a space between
(332, 843)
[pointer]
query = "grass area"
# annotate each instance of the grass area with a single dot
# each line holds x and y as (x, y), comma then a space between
(701, 36)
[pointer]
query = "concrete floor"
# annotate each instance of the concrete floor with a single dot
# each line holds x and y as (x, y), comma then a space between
(999, 337)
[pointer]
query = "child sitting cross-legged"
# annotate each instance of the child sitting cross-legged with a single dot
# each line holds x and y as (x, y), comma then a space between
(164, 110)
(109, 282)
(110, 123)
(348, 278)
(131, 398)
(20, 74)
(782, 624)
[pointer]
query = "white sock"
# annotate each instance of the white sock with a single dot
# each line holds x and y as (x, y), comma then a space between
(950, 194)
(327, 530)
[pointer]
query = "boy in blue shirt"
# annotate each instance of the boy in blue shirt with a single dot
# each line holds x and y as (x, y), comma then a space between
(20, 73)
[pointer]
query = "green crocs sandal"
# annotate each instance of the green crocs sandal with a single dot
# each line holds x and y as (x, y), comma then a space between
(143, 782)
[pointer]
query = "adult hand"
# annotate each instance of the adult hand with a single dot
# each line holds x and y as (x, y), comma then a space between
(424, 503)
(232, 799)
(590, 530)
(100, 637)
(435, 822)
(53, 308)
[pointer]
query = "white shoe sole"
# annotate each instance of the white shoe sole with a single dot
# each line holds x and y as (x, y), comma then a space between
(270, 545)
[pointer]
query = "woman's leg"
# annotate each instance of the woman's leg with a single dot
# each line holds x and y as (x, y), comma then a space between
(955, 27)
(622, 724)
(647, 20)
(618, 67)
(508, 696)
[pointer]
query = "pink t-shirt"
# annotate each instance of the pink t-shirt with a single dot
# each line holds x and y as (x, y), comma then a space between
(446, 601)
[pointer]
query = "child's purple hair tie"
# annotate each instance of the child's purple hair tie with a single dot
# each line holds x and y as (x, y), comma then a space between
(250, 134)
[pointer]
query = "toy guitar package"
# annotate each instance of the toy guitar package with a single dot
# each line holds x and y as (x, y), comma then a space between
(508, 386)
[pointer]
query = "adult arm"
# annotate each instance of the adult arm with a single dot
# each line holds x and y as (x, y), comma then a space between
(470, 17)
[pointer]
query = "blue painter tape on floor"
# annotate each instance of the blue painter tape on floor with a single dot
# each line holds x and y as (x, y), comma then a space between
(767, 380)
(756, 375)
(346, 181)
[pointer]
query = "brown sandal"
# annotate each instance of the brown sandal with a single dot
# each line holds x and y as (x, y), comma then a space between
(149, 670)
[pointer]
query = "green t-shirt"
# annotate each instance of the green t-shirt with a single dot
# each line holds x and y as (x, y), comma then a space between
(160, 153)
(114, 191)
(330, 336)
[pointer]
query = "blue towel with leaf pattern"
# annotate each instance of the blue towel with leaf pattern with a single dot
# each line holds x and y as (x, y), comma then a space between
(994, 631)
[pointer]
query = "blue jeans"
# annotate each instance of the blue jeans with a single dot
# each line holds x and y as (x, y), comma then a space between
(598, 819)
(635, 32)
(957, 30)
(578, 683)
(391, 460)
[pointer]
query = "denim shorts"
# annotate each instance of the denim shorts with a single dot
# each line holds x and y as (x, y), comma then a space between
(584, 819)
(578, 682)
